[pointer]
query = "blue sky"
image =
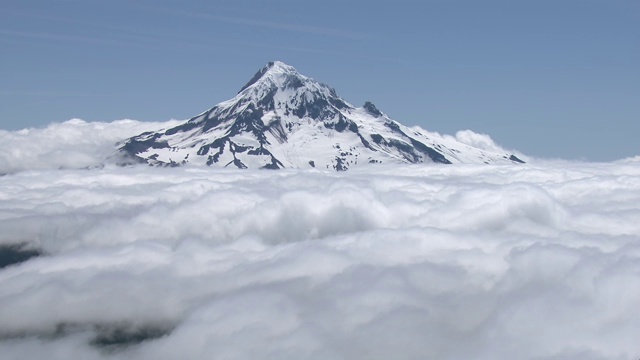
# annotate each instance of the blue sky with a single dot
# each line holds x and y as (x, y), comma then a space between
(551, 78)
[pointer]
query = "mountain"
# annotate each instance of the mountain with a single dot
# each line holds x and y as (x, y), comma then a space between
(282, 119)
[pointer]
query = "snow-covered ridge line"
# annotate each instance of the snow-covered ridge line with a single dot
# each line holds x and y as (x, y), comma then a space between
(283, 119)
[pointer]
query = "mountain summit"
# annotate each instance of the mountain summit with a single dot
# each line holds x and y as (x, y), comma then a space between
(283, 119)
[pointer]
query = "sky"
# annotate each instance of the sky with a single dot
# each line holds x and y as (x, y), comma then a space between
(550, 78)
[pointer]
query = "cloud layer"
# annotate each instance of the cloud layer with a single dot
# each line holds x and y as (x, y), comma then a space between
(413, 262)
(72, 144)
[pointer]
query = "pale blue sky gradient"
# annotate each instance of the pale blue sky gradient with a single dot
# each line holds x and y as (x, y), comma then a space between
(551, 78)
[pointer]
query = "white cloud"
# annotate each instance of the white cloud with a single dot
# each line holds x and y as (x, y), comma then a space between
(480, 141)
(631, 159)
(72, 144)
(448, 262)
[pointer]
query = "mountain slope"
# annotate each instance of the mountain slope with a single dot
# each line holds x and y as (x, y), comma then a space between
(282, 119)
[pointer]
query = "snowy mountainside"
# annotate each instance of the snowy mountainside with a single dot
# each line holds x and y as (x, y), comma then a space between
(282, 119)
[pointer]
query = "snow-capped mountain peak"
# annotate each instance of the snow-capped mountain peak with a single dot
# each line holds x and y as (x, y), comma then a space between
(281, 88)
(283, 119)
(276, 74)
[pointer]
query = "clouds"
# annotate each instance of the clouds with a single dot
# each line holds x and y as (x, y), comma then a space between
(448, 262)
(72, 144)
(481, 141)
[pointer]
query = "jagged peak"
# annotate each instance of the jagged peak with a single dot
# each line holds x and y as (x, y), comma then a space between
(275, 70)
(280, 67)
(304, 95)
